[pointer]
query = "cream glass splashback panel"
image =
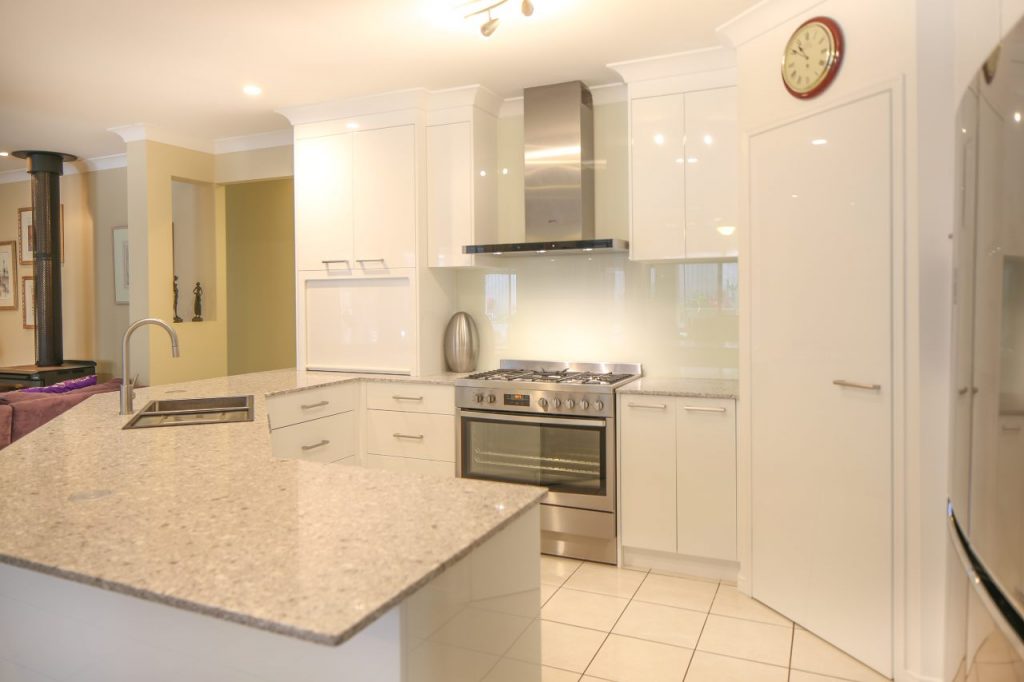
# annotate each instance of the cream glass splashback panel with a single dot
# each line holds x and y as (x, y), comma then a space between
(674, 318)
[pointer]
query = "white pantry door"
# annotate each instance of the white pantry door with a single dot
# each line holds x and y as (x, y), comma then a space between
(821, 226)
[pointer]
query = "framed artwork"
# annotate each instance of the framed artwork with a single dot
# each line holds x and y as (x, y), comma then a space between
(122, 277)
(8, 275)
(28, 302)
(27, 236)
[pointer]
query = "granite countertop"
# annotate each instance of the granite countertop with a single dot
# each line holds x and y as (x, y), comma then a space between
(204, 518)
(683, 388)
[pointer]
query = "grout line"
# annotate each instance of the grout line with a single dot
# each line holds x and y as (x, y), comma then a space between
(792, 642)
(701, 634)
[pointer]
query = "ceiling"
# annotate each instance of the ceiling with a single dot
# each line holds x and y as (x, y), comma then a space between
(75, 69)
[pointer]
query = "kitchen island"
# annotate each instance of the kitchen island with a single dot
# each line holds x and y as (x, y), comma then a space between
(190, 552)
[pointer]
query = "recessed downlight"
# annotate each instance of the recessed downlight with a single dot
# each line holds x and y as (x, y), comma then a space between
(351, 125)
(819, 141)
(252, 90)
(5, 153)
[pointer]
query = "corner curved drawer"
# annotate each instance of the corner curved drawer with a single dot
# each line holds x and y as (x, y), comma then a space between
(312, 403)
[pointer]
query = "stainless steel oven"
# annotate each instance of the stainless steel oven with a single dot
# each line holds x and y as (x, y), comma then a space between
(555, 430)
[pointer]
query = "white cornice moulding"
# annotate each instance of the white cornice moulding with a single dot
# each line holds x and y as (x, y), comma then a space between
(247, 143)
(465, 96)
(415, 98)
(144, 131)
(96, 163)
(676, 64)
(762, 18)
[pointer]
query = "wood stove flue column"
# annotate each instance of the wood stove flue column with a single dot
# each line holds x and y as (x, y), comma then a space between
(46, 169)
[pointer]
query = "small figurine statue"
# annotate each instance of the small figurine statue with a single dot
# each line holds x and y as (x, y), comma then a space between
(177, 318)
(198, 306)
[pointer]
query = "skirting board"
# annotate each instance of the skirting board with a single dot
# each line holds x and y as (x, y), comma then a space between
(666, 562)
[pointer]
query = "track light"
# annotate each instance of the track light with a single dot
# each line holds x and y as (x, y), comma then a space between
(491, 25)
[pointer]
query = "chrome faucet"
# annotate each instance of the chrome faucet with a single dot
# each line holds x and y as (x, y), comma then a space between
(127, 383)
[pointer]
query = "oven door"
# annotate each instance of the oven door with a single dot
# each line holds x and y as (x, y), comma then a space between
(573, 457)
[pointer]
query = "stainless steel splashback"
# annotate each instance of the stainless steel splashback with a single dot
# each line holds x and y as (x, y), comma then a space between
(559, 162)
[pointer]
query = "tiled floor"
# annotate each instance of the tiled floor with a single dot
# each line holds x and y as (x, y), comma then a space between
(602, 623)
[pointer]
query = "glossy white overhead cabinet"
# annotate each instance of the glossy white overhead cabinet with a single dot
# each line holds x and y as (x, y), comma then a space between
(323, 202)
(684, 156)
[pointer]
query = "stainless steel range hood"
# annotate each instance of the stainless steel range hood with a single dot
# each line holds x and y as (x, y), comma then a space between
(558, 130)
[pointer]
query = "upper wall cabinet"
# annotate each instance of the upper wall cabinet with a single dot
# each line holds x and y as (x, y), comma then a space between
(462, 184)
(355, 200)
(684, 156)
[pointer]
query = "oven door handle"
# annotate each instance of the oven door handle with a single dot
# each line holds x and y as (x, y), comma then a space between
(540, 420)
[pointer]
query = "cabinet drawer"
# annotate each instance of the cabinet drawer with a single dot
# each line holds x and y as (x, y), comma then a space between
(406, 434)
(312, 403)
(409, 464)
(410, 397)
(321, 440)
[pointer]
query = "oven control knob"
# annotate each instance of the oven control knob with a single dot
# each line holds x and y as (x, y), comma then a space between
(584, 405)
(558, 403)
(598, 405)
(479, 397)
(570, 403)
(491, 398)
(543, 402)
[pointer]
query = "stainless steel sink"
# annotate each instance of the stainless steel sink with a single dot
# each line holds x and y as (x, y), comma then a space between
(192, 411)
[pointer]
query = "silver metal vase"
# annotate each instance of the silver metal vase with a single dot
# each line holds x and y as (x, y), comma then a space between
(461, 343)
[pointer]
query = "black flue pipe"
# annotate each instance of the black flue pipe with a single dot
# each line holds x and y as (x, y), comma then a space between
(46, 169)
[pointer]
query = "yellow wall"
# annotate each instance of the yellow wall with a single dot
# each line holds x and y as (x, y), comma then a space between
(260, 223)
(93, 204)
(151, 168)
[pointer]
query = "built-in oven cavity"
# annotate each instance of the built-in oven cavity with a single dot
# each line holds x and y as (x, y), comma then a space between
(564, 455)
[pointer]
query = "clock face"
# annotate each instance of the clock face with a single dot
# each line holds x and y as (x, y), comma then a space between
(812, 57)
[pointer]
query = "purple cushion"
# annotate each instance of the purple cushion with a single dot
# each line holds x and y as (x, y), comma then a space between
(64, 386)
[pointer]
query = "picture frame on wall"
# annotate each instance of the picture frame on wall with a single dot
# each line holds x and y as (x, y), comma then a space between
(27, 236)
(28, 301)
(8, 275)
(122, 274)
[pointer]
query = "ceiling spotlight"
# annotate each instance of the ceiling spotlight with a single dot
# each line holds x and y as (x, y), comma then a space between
(527, 8)
(5, 153)
(252, 90)
(490, 26)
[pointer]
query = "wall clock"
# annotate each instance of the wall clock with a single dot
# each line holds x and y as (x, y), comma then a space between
(812, 57)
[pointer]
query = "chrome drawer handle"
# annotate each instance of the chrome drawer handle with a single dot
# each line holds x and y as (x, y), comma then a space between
(405, 435)
(312, 405)
(855, 384)
(407, 397)
(661, 406)
(962, 391)
(314, 446)
(1011, 428)
(370, 260)
(340, 260)
(691, 408)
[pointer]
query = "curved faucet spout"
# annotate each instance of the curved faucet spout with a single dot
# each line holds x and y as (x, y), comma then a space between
(127, 383)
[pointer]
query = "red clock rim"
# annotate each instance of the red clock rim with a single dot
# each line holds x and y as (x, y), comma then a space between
(837, 35)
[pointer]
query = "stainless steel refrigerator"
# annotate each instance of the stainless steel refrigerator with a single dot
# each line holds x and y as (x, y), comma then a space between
(985, 637)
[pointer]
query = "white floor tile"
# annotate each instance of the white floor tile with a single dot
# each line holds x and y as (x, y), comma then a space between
(611, 580)
(707, 667)
(546, 592)
(554, 570)
(813, 654)
(747, 639)
(585, 609)
(561, 646)
(801, 676)
(624, 659)
(731, 602)
(509, 670)
(490, 632)
(684, 593)
(660, 623)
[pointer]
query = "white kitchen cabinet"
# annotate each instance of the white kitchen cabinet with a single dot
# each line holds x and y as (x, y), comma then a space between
(706, 478)
(658, 148)
(648, 464)
(328, 439)
(712, 173)
(411, 427)
(462, 187)
(285, 409)
(411, 397)
(323, 202)
(678, 484)
(384, 198)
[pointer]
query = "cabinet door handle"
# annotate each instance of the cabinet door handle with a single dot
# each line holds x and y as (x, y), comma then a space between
(659, 406)
(962, 391)
(406, 435)
(407, 397)
(1011, 428)
(857, 384)
(312, 405)
(337, 260)
(370, 260)
(692, 408)
(314, 446)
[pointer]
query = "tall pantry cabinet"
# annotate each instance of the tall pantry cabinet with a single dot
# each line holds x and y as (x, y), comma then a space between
(366, 299)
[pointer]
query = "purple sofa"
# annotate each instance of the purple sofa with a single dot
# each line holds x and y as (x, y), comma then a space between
(22, 412)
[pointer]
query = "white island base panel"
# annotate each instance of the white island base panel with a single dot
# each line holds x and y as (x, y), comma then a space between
(456, 627)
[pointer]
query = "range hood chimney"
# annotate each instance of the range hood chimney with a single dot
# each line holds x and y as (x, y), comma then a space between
(46, 169)
(558, 132)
